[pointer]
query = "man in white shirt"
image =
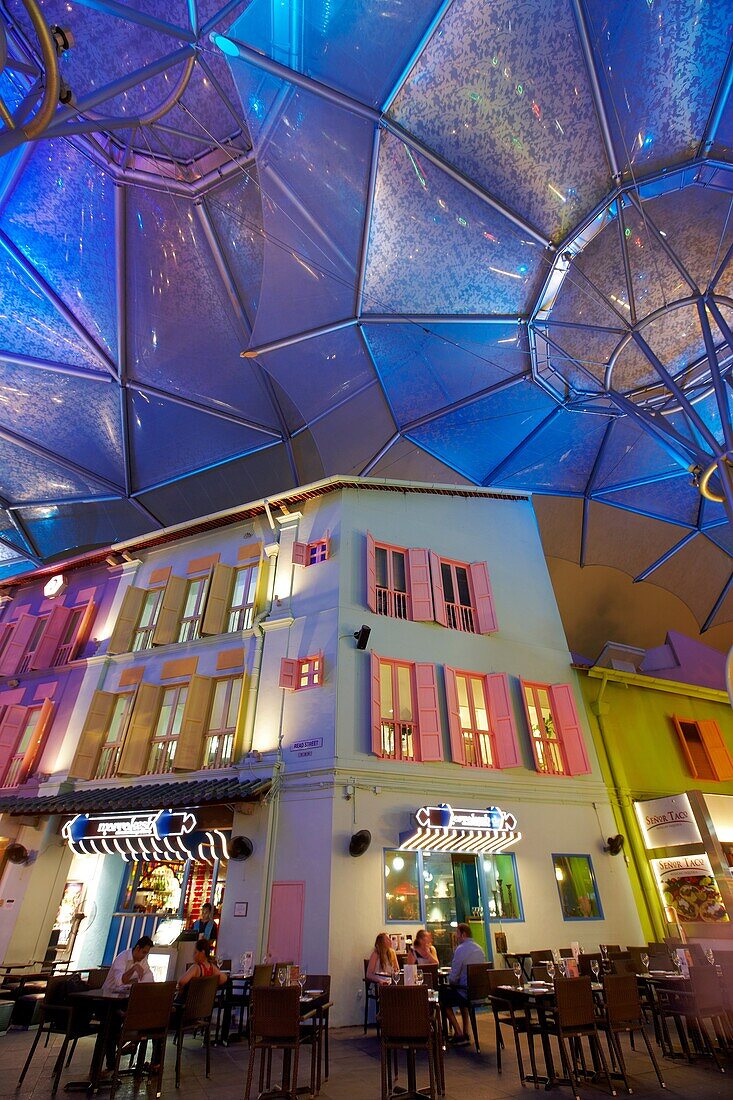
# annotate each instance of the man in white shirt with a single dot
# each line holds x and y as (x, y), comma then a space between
(455, 994)
(129, 967)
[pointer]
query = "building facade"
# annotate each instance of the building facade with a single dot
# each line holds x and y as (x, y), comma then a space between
(356, 667)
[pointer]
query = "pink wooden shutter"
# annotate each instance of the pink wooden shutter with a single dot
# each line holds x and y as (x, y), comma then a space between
(457, 745)
(419, 586)
(428, 715)
(17, 645)
(371, 574)
(502, 721)
(300, 553)
(53, 632)
(83, 629)
(568, 729)
(529, 728)
(289, 673)
(10, 731)
(35, 748)
(438, 593)
(376, 713)
(327, 541)
(483, 598)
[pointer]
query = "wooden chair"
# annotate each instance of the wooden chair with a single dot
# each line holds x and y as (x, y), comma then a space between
(574, 1020)
(540, 974)
(406, 1024)
(541, 956)
(506, 1016)
(371, 993)
(274, 1025)
(147, 1018)
(59, 1017)
(623, 1012)
(195, 1015)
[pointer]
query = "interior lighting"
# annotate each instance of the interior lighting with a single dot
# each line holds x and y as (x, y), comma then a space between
(559, 874)
(225, 45)
(398, 863)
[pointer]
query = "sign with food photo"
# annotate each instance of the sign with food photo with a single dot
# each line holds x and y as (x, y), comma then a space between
(688, 886)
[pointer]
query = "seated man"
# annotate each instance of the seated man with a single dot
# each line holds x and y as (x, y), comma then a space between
(129, 967)
(455, 994)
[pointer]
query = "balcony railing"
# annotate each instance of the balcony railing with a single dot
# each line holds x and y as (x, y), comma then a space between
(162, 755)
(460, 617)
(398, 740)
(107, 766)
(549, 756)
(392, 603)
(13, 773)
(218, 750)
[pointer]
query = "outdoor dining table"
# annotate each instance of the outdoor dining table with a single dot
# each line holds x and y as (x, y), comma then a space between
(103, 1004)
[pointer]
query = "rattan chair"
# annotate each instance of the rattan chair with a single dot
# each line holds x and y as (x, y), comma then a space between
(543, 955)
(147, 1018)
(584, 963)
(540, 974)
(623, 1012)
(274, 1024)
(703, 1001)
(575, 1020)
(195, 1015)
(406, 1024)
(505, 1015)
(371, 993)
(323, 983)
(59, 1017)
(430, 975)
(478, 991)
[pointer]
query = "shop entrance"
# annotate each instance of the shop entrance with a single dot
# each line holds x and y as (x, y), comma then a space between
(453, 895)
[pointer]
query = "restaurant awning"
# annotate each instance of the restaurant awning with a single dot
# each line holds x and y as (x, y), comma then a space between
(146, 835)
(443, 829)
(136, 795)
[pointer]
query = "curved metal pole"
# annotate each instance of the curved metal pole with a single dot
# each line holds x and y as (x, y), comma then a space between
(52, 88)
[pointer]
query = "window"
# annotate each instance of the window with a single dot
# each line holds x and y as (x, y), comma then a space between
(69, 639)
(114, 737)
(502, 887)
(557, 738)
(478, 751)
(219, 743)
(301, 672)
(704, 749)
(576, 885)
(21, 737)
(457, 593)
(405, 712)
(311, 553)
(401, 886)
(241, 611)
(392, 598)
(32, 645)
(193, 607)
(143, 635)
(168, 726)
(483, 733)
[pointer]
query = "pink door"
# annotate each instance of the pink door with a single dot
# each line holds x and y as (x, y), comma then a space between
(285, 934)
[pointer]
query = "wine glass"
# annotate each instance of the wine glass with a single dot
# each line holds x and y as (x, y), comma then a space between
(604, 952)
(302, 978)
(644, 960)
(419, 977)
(563, 966)
(551, 970)
(282, 976)
(677, 963)
(595, 968)
(709, 955)
(517, 972)
(396, 977)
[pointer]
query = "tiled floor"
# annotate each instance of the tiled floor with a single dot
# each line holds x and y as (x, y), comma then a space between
(355, 1072)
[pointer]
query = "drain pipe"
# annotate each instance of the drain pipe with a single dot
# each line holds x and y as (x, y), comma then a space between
(642, 871)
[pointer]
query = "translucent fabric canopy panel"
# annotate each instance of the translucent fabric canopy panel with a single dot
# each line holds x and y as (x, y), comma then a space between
(262, 242)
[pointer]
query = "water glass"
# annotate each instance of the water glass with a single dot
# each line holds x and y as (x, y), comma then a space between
(594, 967)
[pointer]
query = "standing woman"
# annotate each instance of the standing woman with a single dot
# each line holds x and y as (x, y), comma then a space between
(383, 961)
(422, 951)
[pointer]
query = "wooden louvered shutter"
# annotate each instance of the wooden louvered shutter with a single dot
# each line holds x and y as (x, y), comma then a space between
(289, 673)
(371, 577)
(134, 755)
(83, 629)
(716, 749)
(532, 740)
(16, 647)
(503, 726)
(94, 731)
(438, 593)
(35, 747)
(457, 744)
(50, 641)
(300, 553)
(10, 731)
(376, 705)
(420, 589)
(171, 609)
(483, 598)
(428, 713)
(193, 724)
(218, 600)
(127, 620)
(568, 729)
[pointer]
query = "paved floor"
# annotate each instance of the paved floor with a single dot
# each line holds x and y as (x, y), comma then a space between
(355, 1072)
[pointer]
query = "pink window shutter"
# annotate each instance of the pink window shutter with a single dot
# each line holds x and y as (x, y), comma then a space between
(371, 574)
(289, 673)
(483, 598)
(503, 727)
(376, 711)
(83, 629)
(428, 713)
(35, 748)
(438, 593)
(529, 728)
(10, 731)
(17, 645)
(457, 745)
(569, 729)
(421, 598)
(53, 632)
(327, 541)
(300, 553)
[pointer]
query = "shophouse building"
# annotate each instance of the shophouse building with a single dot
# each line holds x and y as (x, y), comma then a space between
(353, 657)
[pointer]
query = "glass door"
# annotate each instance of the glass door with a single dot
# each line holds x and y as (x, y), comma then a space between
(452, 895)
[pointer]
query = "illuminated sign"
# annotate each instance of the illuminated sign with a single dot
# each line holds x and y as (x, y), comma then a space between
(154, 834)
(55, 586)
(668, 822)
(443, 828)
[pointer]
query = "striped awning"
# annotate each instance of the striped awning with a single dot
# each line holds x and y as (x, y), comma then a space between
(156, 835)
(443, 829)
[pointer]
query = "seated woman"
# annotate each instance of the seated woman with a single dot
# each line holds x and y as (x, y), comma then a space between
(422, 951)
(382, 961)
(201, 967)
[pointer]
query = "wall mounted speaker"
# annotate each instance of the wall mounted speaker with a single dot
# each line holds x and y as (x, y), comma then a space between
(360, 841)
(615, 844)
(362, 636)
(240, 848)
(16, 853)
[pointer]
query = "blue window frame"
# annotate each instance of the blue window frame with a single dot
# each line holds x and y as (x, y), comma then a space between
(503, 894)
(402, 893)
(577, 887)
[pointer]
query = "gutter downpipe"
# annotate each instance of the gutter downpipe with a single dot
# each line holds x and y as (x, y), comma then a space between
(651, 918)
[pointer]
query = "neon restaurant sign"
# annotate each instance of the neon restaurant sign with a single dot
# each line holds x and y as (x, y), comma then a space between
(148, 834)
(444, 829)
